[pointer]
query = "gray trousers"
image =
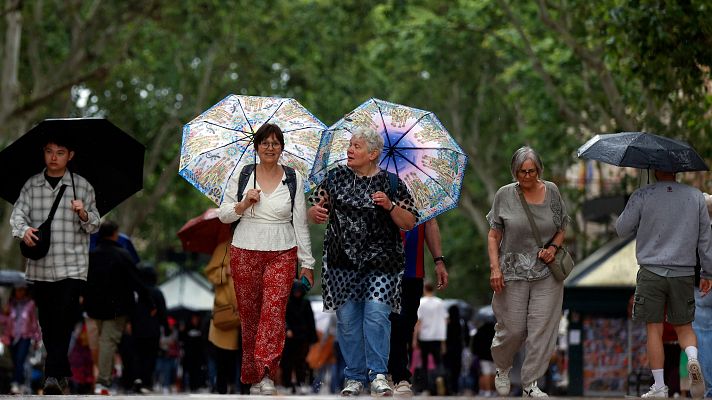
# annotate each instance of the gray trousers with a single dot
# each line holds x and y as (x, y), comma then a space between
(109, 331)
(529, 313)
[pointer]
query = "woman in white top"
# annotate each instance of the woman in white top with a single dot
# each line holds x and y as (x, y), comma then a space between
(267, 243)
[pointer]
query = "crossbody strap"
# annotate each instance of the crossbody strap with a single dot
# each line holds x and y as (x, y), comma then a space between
(50, 217)
(535, 230)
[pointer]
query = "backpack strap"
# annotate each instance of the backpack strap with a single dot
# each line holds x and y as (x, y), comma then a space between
(393, 180)
(241, 185)
(247, 170)
(291, 182)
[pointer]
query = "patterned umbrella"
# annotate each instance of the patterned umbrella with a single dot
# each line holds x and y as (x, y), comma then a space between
(219, 142)
(417, 148)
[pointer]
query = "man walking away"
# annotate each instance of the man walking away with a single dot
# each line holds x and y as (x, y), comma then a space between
(109, 297)
(403, 324)
(671, 225)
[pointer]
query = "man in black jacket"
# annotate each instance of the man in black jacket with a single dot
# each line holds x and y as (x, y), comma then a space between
(109, 297)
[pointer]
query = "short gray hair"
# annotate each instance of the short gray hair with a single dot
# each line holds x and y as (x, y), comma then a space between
(374, 141)
(523, 154)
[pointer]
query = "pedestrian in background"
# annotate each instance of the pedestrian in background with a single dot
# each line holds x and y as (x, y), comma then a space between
(403, 323)
(702, 324)
(22, 332)
(527, 299)
(301, 334)
(225, 341)
(109, 297)
(431, 332)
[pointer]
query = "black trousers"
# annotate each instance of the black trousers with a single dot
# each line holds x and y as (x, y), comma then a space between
(402, 326)
(59, 310)
(145, 353)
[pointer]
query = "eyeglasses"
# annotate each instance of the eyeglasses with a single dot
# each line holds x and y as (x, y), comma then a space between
(527, 172)
(274, 145)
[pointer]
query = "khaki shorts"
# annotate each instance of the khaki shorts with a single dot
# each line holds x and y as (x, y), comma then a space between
(653, 293)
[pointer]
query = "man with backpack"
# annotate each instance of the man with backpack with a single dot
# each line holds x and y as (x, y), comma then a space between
(109, 297)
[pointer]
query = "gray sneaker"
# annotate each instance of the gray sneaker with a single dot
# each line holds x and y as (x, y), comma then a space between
(502, 382)
(532, 390)
(653, 392)
(697, 381)
(352, 388)
(403, 389)
(380, 387)
(52, 387)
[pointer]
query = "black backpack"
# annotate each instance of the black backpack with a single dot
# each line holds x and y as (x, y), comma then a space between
(248, 169)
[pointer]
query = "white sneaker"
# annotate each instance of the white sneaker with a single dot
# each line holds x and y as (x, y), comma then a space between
(101, 390)
(659, 392)
(501, 381)
(266, 387)
(352, 388)
(697, 381)
(532, 390)
(403, 389)
(15, 388)
(379, 386)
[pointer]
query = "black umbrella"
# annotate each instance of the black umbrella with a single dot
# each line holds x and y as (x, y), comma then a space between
(109, 158)
(643, 150)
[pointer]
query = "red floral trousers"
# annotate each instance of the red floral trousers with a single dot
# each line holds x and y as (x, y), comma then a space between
(263, 282)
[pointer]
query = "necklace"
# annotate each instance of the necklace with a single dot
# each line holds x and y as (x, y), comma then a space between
(370, 179)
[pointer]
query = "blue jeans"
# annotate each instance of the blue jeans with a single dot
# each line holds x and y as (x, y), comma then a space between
(19, 350)
(364, 332)
(703, 330)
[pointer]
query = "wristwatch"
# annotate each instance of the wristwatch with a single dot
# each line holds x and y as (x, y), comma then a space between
(393, 205)
(439, 258)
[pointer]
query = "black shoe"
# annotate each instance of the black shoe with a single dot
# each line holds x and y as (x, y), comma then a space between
(52, 386)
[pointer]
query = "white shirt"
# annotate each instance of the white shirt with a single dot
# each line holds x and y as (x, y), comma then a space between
(267, 225)
(433, 319)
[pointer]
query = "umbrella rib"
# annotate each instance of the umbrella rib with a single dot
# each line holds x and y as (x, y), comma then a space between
(239, 103)
(411, 128)
(428, 148)
(225, 127)
(385, 128)
(425, 173)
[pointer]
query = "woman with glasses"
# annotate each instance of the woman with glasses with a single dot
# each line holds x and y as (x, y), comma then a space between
(270, 238)
(527, 299)
(366, 208)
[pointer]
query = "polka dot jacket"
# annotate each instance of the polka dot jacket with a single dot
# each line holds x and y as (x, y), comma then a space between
(362, 243)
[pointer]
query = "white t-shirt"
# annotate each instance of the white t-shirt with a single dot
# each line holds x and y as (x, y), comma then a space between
(433, 319)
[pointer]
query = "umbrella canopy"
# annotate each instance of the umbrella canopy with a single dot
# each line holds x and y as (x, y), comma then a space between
(642, 150)
(204, 233)
(109, 158)
(188, 290)
(417, 148)
(11, 277)
(219, 142)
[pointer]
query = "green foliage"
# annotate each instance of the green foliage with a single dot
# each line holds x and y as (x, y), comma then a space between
(499, 74)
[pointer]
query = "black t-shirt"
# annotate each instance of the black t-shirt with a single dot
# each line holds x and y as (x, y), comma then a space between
(53, 180)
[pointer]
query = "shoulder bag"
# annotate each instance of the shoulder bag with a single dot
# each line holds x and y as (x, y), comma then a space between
(563, 262)
(225, 316)
(43, 233)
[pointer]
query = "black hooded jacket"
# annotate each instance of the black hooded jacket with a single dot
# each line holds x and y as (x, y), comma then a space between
(112, 280)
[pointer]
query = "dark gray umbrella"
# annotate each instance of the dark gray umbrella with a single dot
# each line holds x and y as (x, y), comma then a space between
(10, 277)
(642, 150)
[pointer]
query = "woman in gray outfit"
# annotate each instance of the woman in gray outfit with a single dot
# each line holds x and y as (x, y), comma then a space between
(527, 298)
